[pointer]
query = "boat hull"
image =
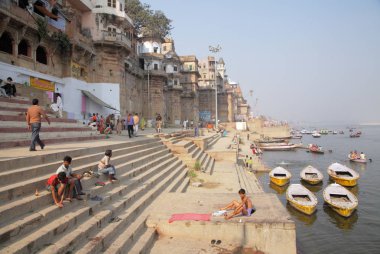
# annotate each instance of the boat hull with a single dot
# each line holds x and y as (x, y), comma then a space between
(318, 152)
(279, 181)
(345, 212)
(344, 182)
(308, 210)
(312, 181)
(359, 161)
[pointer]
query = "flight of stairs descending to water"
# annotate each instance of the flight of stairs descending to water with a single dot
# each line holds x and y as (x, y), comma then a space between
(32, 224)
(14, 131)
(190, 153)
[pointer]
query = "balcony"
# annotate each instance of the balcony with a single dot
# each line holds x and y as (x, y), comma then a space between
(113, 39)
(82, 5)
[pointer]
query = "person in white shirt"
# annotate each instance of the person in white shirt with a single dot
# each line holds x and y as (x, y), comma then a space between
(362, 156)
(75, 186)
(104, 166)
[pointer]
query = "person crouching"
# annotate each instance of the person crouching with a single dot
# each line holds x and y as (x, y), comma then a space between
(56, 184)
(104, 166)
(75, 186)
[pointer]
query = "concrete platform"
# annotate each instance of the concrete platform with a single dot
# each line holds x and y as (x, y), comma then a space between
(269, 229)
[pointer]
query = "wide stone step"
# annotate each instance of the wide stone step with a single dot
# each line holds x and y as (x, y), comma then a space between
(31, 203)
(127, 237)
(18, 99)
(185, 183)
(26, 141)
(91, 237)
(30, 222)
(48, 134)
(12, 176)
(26, 187)
(14, 104)
(145, 242)
(53, 124)
(22, 118)
(33, 160)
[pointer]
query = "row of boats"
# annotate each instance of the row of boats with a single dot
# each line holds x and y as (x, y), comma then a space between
(335, 195)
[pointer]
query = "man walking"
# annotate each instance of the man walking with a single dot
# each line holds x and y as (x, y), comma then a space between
(130, 124)
(136, 121)
(33, 119)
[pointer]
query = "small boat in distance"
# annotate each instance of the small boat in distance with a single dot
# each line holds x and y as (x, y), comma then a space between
(311, 175)
(313, 148)
(355, 135)
(340, 199)
(343, 175)
(301, 199)
(316, 134)
(335, 132)
(280, 176)
(275, 147)
(324, 132)
(341, 132)
(356, 157)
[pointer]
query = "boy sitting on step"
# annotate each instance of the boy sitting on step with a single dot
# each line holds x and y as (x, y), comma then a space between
(75, 186)
(104, 166)
(56, 184)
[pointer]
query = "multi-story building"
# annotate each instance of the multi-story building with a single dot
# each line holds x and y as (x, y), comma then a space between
(190, 95)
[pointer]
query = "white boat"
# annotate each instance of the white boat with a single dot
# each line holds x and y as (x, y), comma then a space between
(279, 148)
(340, 199)
(301, 199)
(311, 175)
(343, 175)
(280, 176)
(316, 134)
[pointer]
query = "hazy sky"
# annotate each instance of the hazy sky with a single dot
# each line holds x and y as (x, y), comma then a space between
(305, 60)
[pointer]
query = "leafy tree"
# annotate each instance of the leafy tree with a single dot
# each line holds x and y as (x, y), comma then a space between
(147, 21)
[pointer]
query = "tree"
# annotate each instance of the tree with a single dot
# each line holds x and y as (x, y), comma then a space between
(147, 21)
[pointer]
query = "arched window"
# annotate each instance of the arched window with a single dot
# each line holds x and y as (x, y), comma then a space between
(41, 55)
(24, 48)
(6, 43)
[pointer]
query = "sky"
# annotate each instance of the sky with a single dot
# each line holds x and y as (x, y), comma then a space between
(305, 61)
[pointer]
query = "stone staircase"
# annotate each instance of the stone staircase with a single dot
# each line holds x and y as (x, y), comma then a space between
(190, 153)
(32, 224)
(14, 132)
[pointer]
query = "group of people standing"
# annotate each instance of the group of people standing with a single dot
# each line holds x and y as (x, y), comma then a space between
(130, 123)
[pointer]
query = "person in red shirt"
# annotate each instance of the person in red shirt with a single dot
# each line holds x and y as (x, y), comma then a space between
(57, 184)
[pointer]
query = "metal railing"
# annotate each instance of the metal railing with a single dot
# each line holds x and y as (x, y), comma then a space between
(110, 36)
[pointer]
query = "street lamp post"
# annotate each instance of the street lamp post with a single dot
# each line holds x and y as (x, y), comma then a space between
(147, 66)
(215, 50)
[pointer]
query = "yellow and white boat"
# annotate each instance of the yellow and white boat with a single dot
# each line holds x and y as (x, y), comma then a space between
(280, 176)
(343, 175)
(311, 175)
(301, 199)
(340, 199)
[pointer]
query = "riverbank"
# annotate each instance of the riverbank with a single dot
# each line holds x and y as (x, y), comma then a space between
(268, 230)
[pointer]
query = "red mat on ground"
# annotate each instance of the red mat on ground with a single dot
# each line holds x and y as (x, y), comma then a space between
(190, 216)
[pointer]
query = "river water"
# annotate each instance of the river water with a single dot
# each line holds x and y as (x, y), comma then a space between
(326, 231)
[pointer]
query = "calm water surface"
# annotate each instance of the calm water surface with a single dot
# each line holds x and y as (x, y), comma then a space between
(326, 231)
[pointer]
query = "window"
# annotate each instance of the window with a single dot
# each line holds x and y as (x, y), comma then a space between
(121, 6)
(112, 3)
(155, 66)
(164, 48)
(111, 31)
(41, 55)
(191, 67)
(6, 43)
(24, 48)
(155, 49)
(175, 68)
(23, 3)
(176, 82)
(204, 76)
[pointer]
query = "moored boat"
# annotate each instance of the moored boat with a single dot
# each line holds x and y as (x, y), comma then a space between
(279, 148)
(355, 135)
(316, 149)
(297, 136)
(280, 176)
(311, 175)
(301, 199)
(267, 141)
(343, 175)
(316, 134)
(273, 144)
(340, 199)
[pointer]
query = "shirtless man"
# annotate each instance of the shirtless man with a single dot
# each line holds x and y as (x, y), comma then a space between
(244, 207)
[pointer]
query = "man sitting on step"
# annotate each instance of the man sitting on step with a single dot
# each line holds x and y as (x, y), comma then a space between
(56, 184)
(244, 208)
(104, 166)
(75, 186)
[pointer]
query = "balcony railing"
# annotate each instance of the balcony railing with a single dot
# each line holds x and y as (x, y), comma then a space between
(115, 38)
